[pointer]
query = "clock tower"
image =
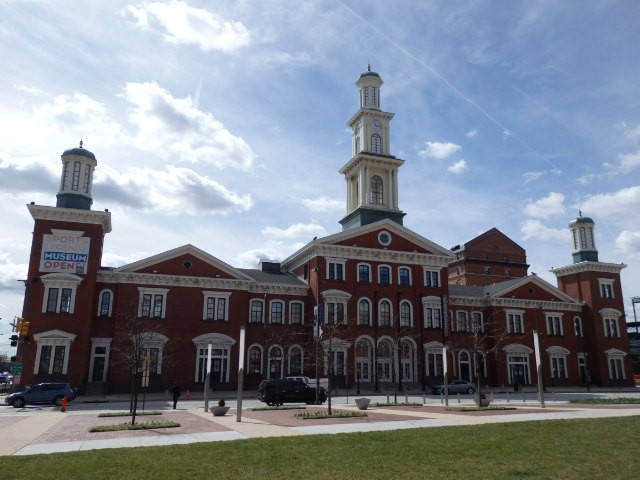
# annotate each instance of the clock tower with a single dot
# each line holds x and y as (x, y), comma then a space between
(372, 172)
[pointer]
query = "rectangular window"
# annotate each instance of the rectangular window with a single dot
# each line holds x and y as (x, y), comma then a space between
(157, 305)
(276, 312)
(431, 278)
(476, 322)
(461, 322)
(558, 367)
(432, 317)
(87, 176)
(606, 289)
(385, 275)
(211, 308)
(58, 359)
(52, 300)
(146, 305)
(611, 327)
(336, 271)
(65, 301)
(45, 359)
(434, 364)
(256, 311)
(514, 323)
(76, 176)
(404, 276)
(554, 325)
(296, 313)
(363, 274)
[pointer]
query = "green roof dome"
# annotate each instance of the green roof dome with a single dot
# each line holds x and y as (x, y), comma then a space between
(582, 219)
(79, 151)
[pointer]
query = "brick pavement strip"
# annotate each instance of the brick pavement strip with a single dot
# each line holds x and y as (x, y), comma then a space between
(20, 434)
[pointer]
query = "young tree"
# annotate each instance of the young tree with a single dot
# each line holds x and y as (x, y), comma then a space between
(138, 352)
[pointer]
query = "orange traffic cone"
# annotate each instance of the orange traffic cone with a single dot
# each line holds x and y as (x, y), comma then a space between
(63, 405)
(188, 395)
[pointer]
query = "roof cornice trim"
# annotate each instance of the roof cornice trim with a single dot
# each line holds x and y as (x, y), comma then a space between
(588, 266)
(59, 214)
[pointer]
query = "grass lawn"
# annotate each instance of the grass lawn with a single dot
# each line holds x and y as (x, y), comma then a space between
(563, 449)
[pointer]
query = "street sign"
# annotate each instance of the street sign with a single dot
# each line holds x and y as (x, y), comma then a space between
(16, 369)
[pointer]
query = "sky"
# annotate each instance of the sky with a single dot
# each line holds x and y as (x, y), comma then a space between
(222, 124)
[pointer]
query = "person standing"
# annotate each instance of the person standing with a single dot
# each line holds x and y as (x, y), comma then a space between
(175, 390)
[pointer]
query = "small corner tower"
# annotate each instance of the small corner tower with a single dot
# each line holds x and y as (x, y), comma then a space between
(372, 172)
(584, 244)
(76, 182)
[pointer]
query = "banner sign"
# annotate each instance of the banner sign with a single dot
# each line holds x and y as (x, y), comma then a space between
(67, 253)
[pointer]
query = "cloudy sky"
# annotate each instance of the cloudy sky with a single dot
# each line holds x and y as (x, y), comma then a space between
(223, 123)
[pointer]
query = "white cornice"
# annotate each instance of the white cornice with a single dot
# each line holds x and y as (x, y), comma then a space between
(369, 113)
(199, 282)
(40, 212)
(588, 267)
(541, 304)
(370, 160)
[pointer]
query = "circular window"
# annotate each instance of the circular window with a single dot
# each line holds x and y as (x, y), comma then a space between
(187, 264)
(384, 238)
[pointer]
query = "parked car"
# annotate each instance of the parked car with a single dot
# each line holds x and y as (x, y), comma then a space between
(41, 393)
(456, 386)
(5, 378)
(277, 392)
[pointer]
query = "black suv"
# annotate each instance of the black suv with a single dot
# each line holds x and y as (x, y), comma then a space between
(277, 392)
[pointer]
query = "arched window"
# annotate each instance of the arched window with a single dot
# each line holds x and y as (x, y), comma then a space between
(384, 319)
(376, 190)
(404, 276)
(105, 304)
(275, 362)
(577, 326)
(255, 359)
(376, 143)
(364, 312)
(405, 314)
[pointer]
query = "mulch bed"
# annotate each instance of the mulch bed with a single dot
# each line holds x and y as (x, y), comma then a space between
(76, 427)
(285, 418)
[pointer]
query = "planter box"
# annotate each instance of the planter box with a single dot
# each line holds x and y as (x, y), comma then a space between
(483, 402)
(362, 403)
(219, 411)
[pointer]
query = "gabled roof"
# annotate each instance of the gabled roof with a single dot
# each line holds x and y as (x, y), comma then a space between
(385, 224)
(483, 236)
(503, 289)
(180, 251)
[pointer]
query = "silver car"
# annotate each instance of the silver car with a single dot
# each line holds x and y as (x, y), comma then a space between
(456, 386)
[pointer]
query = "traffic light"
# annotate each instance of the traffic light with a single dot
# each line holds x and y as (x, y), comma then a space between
(14, 340)
(25, 327)
(18, 327)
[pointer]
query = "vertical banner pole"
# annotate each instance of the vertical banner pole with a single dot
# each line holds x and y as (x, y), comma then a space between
(240, 377)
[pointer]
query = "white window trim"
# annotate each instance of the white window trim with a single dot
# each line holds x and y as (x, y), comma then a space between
(549, 315)
(154, 340)
(335, 296)
(358, 267)
(410, 275)
(370, 322)
(340, 261)
(380, 267)
(602, 282)
(291, 304)
(432, 348)
(282, 312)
(473, 312)
(390, 312)
(457, 321)
(110, 309)
(152, 291)
(263, 302)
(217, 295)
(613, 315)
(217, 341)
(289, 356)
(248, 359)
(95, 343)
(406, 302)
(60, 281)
(431, 270)
(53, 338)
(433, 303)
(561, 353)
(615, 354)
(578, 321)
(514, 312)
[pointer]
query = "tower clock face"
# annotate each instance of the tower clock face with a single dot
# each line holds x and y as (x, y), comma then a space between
(376, 125)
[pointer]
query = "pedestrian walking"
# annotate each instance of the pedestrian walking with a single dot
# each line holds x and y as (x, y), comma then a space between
(175, 390)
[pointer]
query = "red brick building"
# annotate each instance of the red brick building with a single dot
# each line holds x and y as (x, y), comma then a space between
(388, 299)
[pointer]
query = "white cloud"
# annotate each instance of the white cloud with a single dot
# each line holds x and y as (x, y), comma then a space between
(459, 167)
(472, 133)
(174, 128)
(171, 191)
(546, 207)
(632, 133)
(628, 244)
(11, 272)
(439, 150)
(625, 202)
(626, 162)
(535, 229)
(298, 230)
(33, 91)
(323, 204)
(183, 24)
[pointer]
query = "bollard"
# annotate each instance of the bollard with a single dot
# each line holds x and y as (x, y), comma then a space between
(507, 397)
(424, 398)
(387, 398)
(458, 398)
(406, 398)
(524, 399)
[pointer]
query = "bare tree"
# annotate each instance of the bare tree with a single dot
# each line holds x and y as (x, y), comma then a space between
(137, 354)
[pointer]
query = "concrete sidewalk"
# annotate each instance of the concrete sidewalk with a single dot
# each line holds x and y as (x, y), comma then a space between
(28, 435)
